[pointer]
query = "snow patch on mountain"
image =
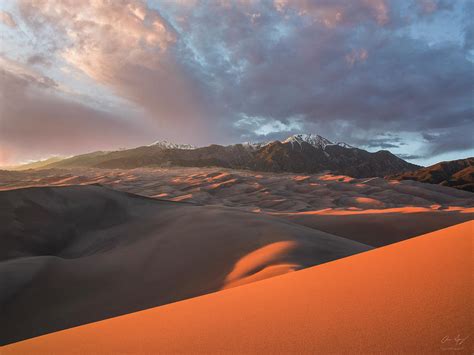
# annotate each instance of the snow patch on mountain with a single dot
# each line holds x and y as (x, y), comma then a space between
(314, 139)
(296, 140)
(255, 146)
(169, 145)
(345, 145)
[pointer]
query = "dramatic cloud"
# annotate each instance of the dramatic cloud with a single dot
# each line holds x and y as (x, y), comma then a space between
(335, 67)
(125, 45)
(338, 12)
(7, 19)
(374, 73)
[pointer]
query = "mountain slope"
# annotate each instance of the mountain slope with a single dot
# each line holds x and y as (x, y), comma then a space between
(36, 164)
(307, 158)
(299, 153)
(456, 173)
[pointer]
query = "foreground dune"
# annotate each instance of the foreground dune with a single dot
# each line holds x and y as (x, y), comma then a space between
(78, 254)
(410, 297)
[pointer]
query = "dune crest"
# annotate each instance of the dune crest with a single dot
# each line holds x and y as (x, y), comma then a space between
(262, 263)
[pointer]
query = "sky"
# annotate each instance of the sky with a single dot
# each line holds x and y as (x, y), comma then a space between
(80, 76)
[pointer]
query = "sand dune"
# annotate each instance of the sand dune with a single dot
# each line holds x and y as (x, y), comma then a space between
(383, 226)
(78, 252)
(73, 255)
(410, 297)
(373, 211)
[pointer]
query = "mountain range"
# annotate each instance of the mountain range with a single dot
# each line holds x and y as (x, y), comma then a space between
(302, 153)
(456, 173)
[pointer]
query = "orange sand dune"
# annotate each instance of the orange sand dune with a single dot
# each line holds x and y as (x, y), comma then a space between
(411, 297)
(357, 211)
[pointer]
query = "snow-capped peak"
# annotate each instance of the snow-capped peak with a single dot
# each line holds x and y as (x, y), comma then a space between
(168, 145)
(315, 140)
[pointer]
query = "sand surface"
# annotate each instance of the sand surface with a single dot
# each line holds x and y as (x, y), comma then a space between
(411, 297)
(74, 251)
(73, 255)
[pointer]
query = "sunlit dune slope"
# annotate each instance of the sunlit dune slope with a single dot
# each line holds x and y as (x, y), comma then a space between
(410, 297)
(78, 254)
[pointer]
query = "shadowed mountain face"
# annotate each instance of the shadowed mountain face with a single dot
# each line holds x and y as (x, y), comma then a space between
(301, 154)
(304, 157)
(456, 173)
(77, 254)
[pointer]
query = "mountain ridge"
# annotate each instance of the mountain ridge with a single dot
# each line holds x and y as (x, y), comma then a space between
(301, 153)
(455, 173)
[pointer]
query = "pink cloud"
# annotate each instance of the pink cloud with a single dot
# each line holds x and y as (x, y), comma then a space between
(335, 12)
(7, 19)
(125, 45)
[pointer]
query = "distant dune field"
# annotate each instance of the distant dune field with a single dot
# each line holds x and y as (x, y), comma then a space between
(246, 189)
(373, 211)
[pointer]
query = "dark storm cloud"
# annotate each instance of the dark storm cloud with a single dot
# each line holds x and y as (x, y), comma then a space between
(469, 27)
(451, 140)
(351, 77)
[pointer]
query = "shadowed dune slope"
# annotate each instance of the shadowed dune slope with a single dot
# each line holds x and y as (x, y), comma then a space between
(410, 297)
(381, 227)
(78, 254)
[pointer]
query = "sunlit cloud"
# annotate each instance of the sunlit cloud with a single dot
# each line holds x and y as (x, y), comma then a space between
(6, 18)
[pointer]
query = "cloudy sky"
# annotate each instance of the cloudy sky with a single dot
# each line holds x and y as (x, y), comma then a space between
(78, 76)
